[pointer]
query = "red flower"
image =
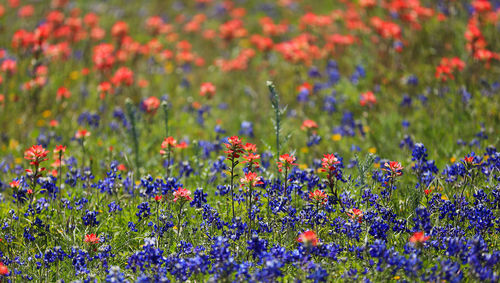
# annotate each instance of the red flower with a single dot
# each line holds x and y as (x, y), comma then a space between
(182, 145)
(356, 213)
(207, 89)
(234, 147)
(368, 98)
(119, 29)
(14, 184)
(309, 124)
(168, 143)
(3, 269)
(251, 179)
(9, 66)
(91, 238)
(318, 196)
(158, 197)
(308, 238)
(36, 154)
(63, 92)
(183, 194)
(121, 167)
(305, 87)
(469, 160)
(251, 158)
(393, 167)
(151, 104)
(123, 76)
(419, 237)
(250, 147)
(287, 161)
(328, 162)
(60, 148)
(80, 134)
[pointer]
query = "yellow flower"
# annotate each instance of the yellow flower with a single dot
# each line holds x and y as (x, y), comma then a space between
(74, 75)
(40, 123)
(46, 113)
(453, 159)
(169, 68)
(13, 144)
(366, 129)
(18, 160)
(305, 149)
(372, 150)
(444, 197)
(336, 137)
(397, 277)
(376, 165)
(302, 166)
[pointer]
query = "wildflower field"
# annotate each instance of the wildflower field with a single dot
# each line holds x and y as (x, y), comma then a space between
(249, 141)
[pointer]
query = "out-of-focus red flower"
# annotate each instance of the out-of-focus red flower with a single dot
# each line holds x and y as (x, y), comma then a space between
(308, 237)
(419, 237)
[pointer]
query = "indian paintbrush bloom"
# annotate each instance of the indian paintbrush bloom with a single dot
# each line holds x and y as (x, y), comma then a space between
(308, 125)
(14, 184)
(329, 162)
(3, 269)
(287, 161)
(151, 104)
(82, 133)
(91, 239)
(36, 154)
(234, 147)
(168, 143)
(368, 98)
(419, 238)
(393, 167)
(251, 179)
(318, 197)
(207, 89)
(308, 237)
(356, 214)
(182, 194)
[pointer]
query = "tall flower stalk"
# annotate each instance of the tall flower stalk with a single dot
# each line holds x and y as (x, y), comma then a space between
(234, 149)
(134, 133)
(278, 115)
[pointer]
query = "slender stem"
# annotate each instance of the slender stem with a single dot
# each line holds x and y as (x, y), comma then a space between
(232, 181)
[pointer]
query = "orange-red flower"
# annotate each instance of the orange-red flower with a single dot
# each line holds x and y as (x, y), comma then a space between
(308, 124)
(91, 239)
(287, 161)
(393, 167)
(368, 98)
(356, 213)
(3, 269)
(151, 104)
(36, 154)
(182, 194)
(419, 237)
(318, 196)
(207, 89)
(251, 179)
(308, 238)
(82, 133)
